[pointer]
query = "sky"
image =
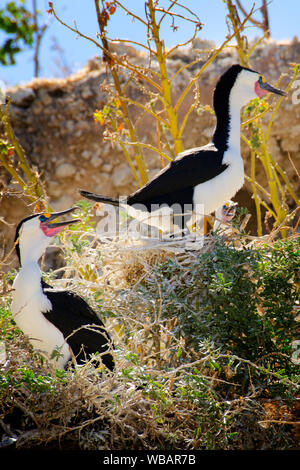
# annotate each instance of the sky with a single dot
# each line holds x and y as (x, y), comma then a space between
(61, 47)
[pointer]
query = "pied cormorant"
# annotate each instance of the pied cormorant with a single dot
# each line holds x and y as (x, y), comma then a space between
(58, 323)
(200, 180)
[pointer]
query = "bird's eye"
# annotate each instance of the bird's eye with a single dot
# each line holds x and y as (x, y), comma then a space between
(44, 217)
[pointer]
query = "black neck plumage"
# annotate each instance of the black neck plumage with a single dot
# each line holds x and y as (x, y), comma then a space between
(222, 110)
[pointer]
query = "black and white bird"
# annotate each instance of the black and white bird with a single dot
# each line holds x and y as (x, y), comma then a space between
(55, 321)
(200, 180)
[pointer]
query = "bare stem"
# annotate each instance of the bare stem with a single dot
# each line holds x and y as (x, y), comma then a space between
(32, 186)
(209, 61)
(165, 82)
(256, 199)
(138, 154)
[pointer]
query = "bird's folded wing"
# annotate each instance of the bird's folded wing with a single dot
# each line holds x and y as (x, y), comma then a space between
(79, 324)
(69, 310)
(189, 169)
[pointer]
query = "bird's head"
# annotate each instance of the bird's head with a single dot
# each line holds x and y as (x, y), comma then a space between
(240, 85)
(225, 214)
(228, 211)
(34, 233)
(250, 84)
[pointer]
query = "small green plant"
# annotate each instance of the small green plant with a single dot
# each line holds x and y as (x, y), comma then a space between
(26, 379)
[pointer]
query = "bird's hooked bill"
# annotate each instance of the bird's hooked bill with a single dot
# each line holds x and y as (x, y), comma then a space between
(271, 89)
(265, 88)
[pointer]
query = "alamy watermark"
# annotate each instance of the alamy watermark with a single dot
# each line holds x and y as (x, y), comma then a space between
(296, 93)
(156, 221)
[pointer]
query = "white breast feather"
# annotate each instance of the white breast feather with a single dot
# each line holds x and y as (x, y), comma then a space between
(29, 302)
(215, 192)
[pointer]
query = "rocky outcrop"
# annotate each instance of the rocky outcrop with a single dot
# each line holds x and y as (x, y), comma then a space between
(54, 121)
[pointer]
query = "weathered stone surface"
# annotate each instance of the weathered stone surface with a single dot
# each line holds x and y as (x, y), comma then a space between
(53, 119)
(65, 170)
(23, 97)
(96, 161)
(122, 175)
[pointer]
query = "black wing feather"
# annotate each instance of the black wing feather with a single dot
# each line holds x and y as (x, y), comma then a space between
(190, 168)
(69, 313)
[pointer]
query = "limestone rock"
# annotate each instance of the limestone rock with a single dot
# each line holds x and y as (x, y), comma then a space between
(107, 167)
(22, 97)
(86, 154)
(53, 189)
(203, 44)
(65, 170)
(122, 175)
(65, 202)
(96, 161)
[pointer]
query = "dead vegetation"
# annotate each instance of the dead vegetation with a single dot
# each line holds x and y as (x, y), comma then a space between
(186, 376)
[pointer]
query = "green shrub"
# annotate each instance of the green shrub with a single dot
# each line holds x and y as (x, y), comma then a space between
(204, 345)
(239, 301)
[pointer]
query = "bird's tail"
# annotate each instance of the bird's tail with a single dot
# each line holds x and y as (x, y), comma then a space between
(99, 198)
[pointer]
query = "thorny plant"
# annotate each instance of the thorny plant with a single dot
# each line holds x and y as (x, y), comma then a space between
(264, 23)
(155, 83)
(14, 160)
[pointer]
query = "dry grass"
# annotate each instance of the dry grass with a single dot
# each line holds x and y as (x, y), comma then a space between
(164, 393)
